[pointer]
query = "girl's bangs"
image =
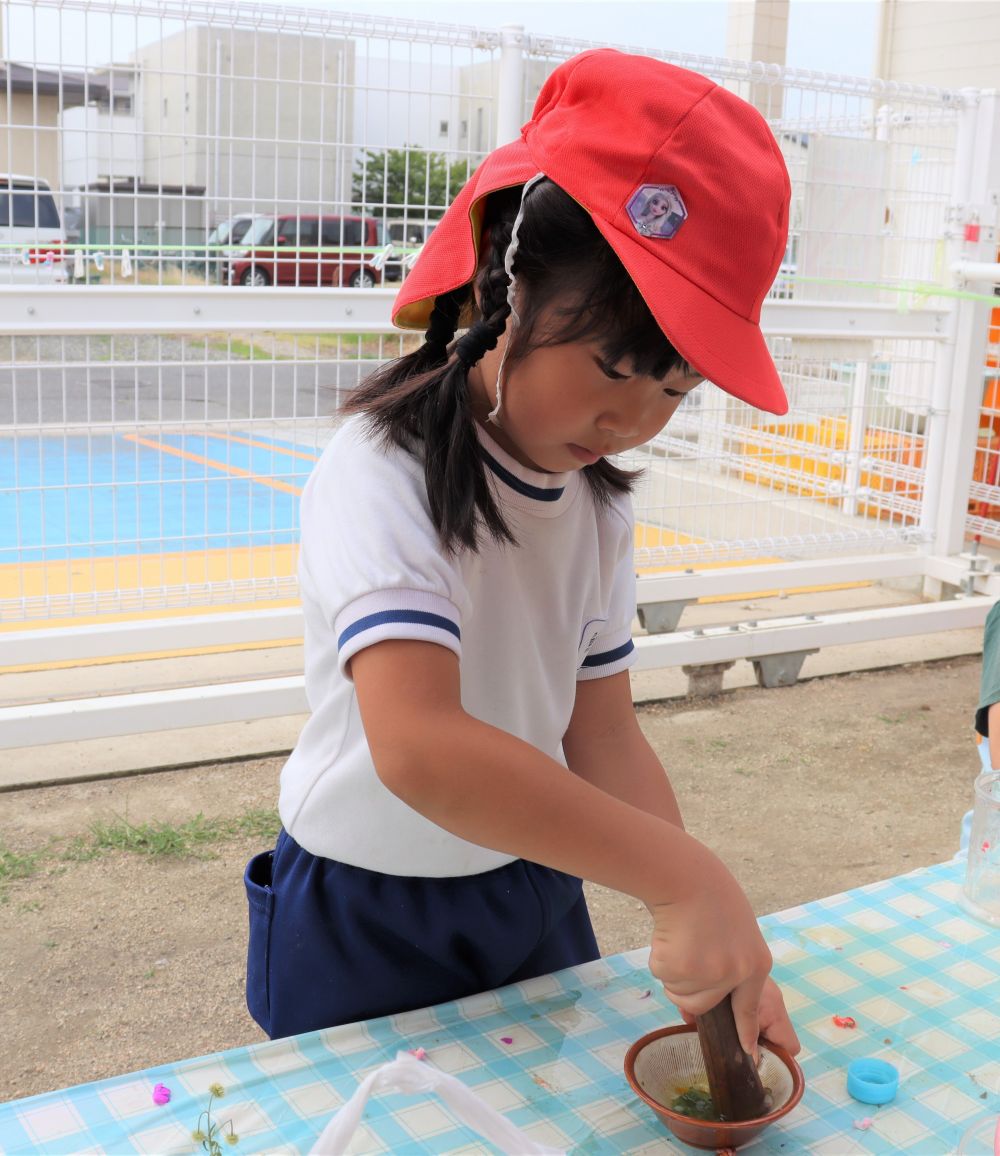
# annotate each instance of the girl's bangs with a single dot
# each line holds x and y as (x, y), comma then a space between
(614, 316)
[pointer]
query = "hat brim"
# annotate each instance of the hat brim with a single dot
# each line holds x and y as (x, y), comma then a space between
(450, 256)
(738, 361)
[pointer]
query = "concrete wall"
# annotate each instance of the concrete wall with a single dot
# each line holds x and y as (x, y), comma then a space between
(758, 30)
(260, 120)
(97, 145)
(405, 103)
(948, 43)
(29, 142)
(477, 106)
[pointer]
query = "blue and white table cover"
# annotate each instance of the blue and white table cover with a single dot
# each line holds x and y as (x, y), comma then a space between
(921, 979)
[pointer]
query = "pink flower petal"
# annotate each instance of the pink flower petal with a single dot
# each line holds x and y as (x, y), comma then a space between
(419, 1053)
(506, 1039)
(864, 1125)
(161, 1094)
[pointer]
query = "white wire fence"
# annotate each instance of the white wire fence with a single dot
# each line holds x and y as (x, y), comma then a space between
(259, 180)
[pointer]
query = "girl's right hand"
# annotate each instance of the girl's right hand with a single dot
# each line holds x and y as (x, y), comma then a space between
(707, 945)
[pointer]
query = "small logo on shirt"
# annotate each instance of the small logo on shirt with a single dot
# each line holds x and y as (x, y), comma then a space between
(589, 635)
(657, 210)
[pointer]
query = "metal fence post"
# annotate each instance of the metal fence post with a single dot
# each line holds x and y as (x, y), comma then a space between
(510, 91)
(855, 448)
(953, 418)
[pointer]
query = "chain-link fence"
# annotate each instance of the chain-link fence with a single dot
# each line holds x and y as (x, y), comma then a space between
(205, 210)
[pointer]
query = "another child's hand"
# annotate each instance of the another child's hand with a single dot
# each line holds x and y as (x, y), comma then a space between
(708, 945)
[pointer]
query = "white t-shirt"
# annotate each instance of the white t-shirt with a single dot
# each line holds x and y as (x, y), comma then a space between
(525, 621)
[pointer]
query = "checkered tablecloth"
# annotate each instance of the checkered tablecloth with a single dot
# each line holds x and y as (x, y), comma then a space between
(921, 979)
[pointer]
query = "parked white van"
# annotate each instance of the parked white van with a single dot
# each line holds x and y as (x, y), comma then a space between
(32, 242)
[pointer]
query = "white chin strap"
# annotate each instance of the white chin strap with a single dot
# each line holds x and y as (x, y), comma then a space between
(508, 264)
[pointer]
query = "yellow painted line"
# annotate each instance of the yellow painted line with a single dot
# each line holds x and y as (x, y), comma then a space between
(79, 576)
(236, 471)
(135, 572)
(264, 446)
(652, 537)
(71, 663)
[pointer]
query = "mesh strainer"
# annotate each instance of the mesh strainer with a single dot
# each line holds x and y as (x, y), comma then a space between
(666, 1063)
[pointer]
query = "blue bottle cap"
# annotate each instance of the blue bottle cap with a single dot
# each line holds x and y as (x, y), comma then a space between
(872, 1081)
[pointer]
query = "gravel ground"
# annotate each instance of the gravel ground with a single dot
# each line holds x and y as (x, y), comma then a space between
(123, 960)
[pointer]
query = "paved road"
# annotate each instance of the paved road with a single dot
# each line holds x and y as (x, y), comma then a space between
(77, 394)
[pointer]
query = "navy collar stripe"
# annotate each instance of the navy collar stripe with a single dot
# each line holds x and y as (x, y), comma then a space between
(609, 655)
(383, 616)
(522, 487)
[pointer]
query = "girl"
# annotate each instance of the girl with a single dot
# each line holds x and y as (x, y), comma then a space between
(467, 579)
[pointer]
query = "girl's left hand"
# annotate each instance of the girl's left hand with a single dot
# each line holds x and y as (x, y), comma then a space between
(775, 1026)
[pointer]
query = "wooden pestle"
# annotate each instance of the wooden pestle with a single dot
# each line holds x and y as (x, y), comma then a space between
(737, 1092)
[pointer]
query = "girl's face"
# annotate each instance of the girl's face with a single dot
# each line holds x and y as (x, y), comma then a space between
(564, 406)
(657, 206)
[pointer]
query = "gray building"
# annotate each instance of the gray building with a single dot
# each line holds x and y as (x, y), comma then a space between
(260, 120)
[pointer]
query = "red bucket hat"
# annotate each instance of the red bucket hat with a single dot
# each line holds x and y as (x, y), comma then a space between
(684, 180)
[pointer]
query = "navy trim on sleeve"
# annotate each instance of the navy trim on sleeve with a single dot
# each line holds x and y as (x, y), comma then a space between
(609, 656)
(417, 616)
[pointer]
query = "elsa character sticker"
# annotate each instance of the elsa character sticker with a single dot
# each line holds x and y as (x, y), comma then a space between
(657, 210)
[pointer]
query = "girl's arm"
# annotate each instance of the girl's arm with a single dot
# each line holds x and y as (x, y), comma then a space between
(605, 745)
(489, 787)
(493, 789)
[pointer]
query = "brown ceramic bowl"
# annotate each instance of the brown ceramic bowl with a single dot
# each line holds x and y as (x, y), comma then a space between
(666, 1061)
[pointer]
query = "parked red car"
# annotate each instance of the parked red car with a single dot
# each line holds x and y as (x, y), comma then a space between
(290, 250)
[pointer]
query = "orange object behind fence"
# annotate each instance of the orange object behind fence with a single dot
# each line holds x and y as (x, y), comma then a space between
(791, 457)
(985, 469)
(994, 336)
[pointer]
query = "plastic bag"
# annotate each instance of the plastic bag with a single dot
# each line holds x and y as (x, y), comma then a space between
(409, 1076)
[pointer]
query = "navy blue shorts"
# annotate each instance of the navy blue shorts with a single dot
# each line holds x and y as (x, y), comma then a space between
(332, 944)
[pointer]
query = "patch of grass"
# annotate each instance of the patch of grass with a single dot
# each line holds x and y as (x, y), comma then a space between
(153, 838)
(329, 346)
(180, 840)
(251, 352)
(190, 839)
(890, 720)
(17, 865)
(80, 850)
(262, 824)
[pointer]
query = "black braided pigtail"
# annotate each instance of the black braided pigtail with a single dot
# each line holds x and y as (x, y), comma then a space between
(422, 402)
(440, 330)
(393, 394)
(461, 499)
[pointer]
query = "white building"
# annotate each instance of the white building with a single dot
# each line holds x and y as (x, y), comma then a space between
(947, 43)
(262, 120)
(404, 102)
(102, 140)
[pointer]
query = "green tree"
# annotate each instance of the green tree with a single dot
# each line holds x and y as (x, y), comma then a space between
(399, 182)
